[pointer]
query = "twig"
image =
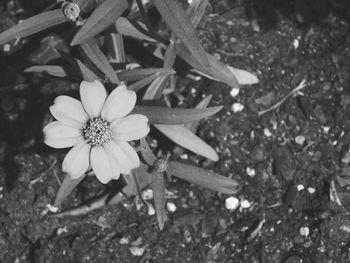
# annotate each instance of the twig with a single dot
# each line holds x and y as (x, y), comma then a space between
(42, 174)
(298, 88)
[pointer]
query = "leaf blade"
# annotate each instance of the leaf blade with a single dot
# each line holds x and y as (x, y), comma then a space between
(188, 140)
(102, 17)
(158, 187)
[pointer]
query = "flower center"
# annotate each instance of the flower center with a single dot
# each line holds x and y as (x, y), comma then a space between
(97, 131)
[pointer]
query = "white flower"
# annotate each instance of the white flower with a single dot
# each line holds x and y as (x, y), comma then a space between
(99, 128)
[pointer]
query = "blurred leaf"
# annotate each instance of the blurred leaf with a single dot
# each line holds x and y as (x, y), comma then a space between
(158, 187)
(95, 54)
(244, 77)
(141, 73)
(48, 49)
(155, 90)
(180, 24)
(101, 18)
(79, 67)
(133, 29)
(218, 70)
(188, 140)
(56, 71)
(201, 105)
(203, 178)
(171, 116)
(66, 188)
(33, 25)
(196, 11)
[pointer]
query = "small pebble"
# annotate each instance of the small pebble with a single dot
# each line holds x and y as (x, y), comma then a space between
(124, 241)
(171, 207)
(300, 187)
(296, 43)
(137, 251)
(150, 210)
(267, 132)
(147, 194)
(304, 231)
(231, 203)
(234, 92)
(300, 139)
(52, 208)
(62, 230)
(245, 204)
(237, 107)
(250, 171)
(311, 190)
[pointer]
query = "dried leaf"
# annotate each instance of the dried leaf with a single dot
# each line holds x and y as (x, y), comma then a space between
(188, 140)
(180, 24)
(66, 188)
(95, 54)
(102, 17)
(203, 178)
(33, 25)
(172, 116)
(158, 187)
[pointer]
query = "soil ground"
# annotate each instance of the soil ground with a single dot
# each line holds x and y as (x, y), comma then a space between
(292, 162)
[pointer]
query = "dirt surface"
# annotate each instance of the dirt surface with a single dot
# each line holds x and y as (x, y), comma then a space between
(292, 162)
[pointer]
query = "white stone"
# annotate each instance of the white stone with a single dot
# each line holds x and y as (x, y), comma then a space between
(304, 231)
(52, 208)
(237, 107)
(234, 92)
(250, 171)
(300, 139)
(300, 187)
(171, 207)
(137, 251)
(231, 203)
(150, 210)
(124, 241)
(296, 43)
(267, 132)
(245, 203)
(311, 190)
(147, 194)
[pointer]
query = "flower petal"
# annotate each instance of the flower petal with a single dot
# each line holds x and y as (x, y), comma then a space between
(103, 166)
(118, 104)
(69, 111)
(76, 162)
(131, 127)
(123, 154)
(93, 95)
(58, 135)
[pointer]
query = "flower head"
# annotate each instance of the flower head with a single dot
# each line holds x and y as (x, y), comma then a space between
(99, 129)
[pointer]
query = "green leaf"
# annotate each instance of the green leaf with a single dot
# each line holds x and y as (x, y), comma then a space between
(97, 57)
(33, 25)
(201, 105)
(171, 116)
(141, 73)
(56, 71)
(102, 17)
(180, 24)
(188, 140)
(196, 11)
(203, 178)
(138, 179)
(158, 187)
(244, 77)
(133, 29)
(136, 86)
(79, 67)
(218, 70)
(66, 188)
(146, 153)
(155, 90)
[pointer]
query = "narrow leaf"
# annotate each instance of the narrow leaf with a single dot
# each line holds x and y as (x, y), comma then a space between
(138, 179)
(79, 67)
(158, 187)
(95, 54)
(33, 25)
(146, 153)
(188, 140)
(218, 70)
(172, 116)
(196, 11)
(133, 29)
(56, 71)
(180, 24)
(201, 105)
(203, 178)
(136, 86)
(141, 73)
(102, 17)
(66, 188)
(244, 77)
